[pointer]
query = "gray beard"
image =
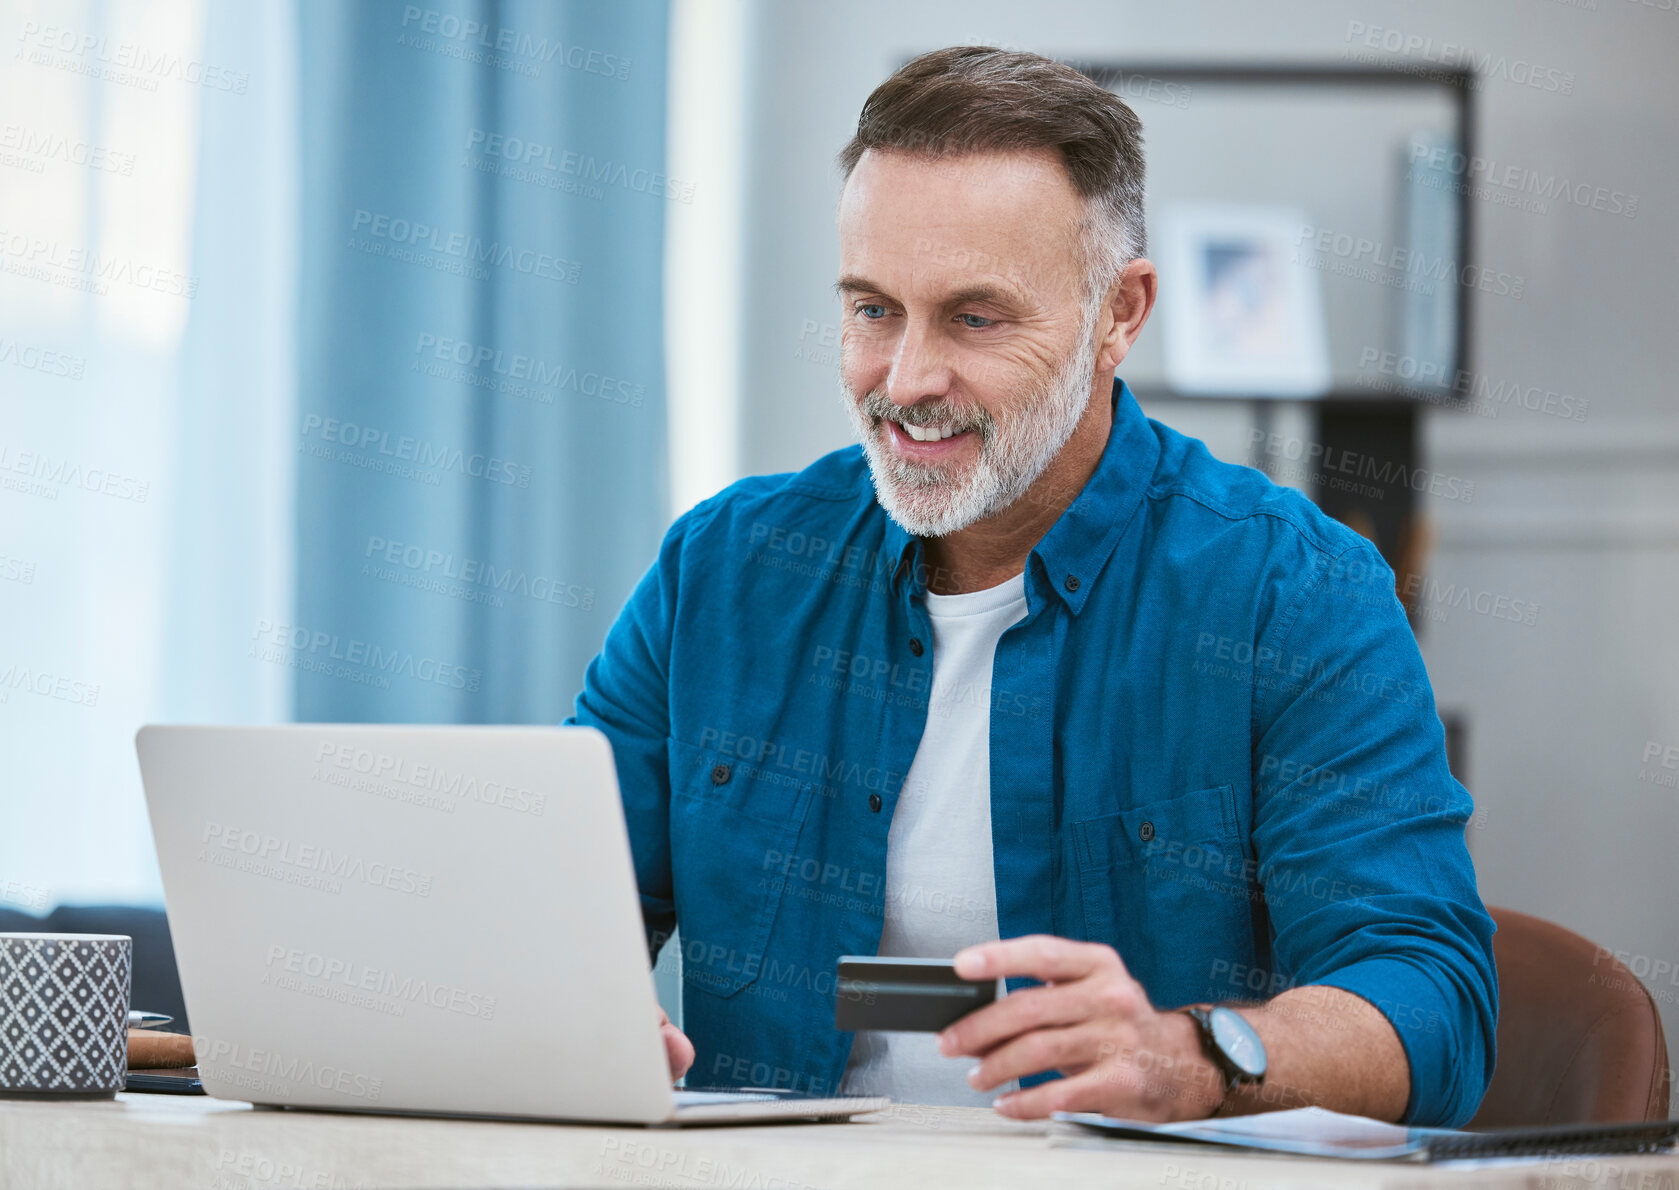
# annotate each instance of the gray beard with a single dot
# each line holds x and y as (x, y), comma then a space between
(1014, 451)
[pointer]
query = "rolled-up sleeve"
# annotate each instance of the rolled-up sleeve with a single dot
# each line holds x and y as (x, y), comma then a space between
(1359, 830)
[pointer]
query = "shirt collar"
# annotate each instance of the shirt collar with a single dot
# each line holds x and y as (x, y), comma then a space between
(1083, 538)
(1079, 544)
(903, 550)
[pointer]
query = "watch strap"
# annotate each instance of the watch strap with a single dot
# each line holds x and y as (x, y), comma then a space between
(1202, 1016)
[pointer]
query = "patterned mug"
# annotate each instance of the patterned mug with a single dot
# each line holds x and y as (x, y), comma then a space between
(64, 1013)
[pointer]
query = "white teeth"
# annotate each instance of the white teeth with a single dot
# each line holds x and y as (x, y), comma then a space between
(926, 433)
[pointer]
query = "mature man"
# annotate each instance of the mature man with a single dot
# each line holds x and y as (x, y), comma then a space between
(1133, 728)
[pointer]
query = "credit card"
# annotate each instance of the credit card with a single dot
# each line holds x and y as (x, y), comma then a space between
(904, 995)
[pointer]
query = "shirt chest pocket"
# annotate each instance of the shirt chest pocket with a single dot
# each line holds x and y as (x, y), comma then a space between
(1165, 881)
(733, 828)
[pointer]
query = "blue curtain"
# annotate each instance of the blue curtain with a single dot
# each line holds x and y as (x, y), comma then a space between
(480, 432)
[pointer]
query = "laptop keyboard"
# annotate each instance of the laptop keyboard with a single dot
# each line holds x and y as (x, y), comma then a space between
(686, 1098)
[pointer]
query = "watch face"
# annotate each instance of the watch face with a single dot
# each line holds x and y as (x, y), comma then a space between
(1237, 1039)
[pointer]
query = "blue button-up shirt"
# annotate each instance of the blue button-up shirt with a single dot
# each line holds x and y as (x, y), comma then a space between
(1213, 747)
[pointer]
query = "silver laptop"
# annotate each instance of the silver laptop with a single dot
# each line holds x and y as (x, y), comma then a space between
(436, 920)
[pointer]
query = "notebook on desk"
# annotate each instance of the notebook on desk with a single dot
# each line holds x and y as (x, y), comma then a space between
(1314, 1132)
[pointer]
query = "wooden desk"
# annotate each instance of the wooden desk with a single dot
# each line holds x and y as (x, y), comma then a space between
(193, 1143)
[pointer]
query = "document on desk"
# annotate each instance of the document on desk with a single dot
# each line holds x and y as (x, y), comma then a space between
(1307, 1131)
(1314, 1132)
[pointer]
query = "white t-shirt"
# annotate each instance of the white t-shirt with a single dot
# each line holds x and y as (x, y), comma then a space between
(941, 890)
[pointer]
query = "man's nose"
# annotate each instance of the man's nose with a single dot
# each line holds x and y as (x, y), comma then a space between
(921, 367)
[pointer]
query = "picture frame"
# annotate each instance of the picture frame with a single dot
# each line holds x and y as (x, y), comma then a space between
(1243, 310)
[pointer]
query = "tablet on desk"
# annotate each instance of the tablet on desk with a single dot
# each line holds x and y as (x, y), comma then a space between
(166, 1080)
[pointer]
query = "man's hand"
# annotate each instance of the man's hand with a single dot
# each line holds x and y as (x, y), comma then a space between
(1093, 1023)
(679, 1051)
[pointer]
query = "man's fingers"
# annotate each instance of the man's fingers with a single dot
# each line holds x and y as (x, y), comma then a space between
(1081, 1092)
(1070, 1050)
(1106, 992)
(1037, 956)
(980, 1032)
(679, 1051)
(1130, 1085)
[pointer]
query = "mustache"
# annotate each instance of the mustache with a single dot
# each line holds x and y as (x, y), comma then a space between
(936, 415)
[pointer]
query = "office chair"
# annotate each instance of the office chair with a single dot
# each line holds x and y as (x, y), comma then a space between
(1579, 1037)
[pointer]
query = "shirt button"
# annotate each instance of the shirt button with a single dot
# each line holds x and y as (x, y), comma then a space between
(915, 646)
(1145, 832)
(1071, 582)
(719, 774)
(874, 802)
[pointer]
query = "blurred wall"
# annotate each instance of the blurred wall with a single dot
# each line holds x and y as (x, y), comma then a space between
(1568, 718)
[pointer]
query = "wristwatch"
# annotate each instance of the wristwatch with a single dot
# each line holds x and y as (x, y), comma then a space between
(1232, 1044)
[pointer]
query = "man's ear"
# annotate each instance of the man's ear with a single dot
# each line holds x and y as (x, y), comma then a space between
(1128, 304)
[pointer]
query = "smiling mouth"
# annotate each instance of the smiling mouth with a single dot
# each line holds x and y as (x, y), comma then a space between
(923, 442)
(927, 433)
(917, 440)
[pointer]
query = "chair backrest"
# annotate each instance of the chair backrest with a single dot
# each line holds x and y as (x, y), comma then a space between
(1579, 1037)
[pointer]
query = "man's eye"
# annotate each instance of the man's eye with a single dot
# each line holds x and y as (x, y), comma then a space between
(975, 322)
(873, 313)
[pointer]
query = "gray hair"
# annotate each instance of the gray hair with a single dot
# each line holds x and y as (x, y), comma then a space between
(980, 99)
